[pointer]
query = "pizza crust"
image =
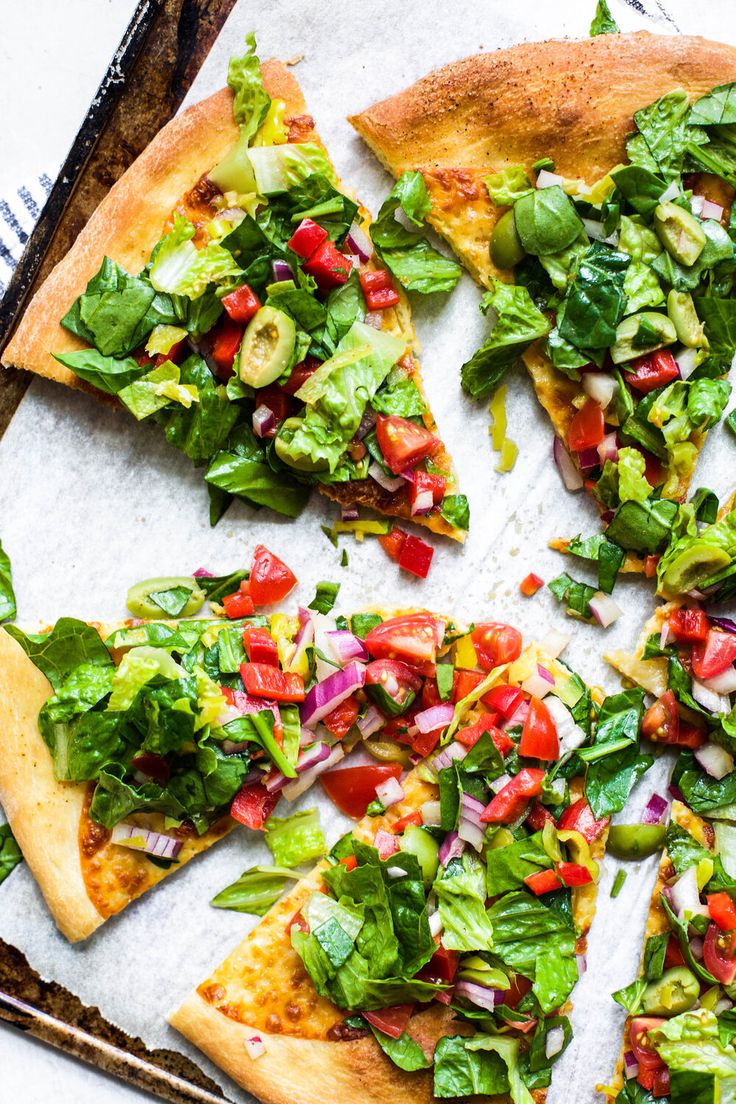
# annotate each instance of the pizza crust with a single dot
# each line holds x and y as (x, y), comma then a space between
(651, 674)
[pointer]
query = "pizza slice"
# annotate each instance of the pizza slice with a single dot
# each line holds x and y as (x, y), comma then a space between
(679, 1042)
(227, 288)
(595, 175)
(433, 953)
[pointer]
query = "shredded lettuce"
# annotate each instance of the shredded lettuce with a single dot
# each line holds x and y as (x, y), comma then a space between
(179, 268)
(296, 839)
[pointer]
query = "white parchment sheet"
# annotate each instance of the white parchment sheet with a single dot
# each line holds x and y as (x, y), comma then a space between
(91, 501)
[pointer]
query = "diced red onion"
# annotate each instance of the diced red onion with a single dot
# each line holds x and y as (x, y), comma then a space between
(666, 636)
(686, 895)
(328, 694)
(349, 513)
(255, 1046)
(281, 270)
(588, 458)
(517, 717)
(569, 734)
(554, 1042)
(345, 646)
(554, 643)
(437, 716)
(374, 319)
(371, 722)
(571, 477)
(687, 361)
(540, 683)
(357, 241)
(435, 924)
(601, 386)
(582, 961)
(385, 843)
(451, 848)
(471, 808)
(724, 683)
(656, 808)
(675, 792)
(631, 1066)
(594, 229)
(608, 448)
(604, 609)
(672, 191)
(546, 179)
(696, 204)
(471, 832)
(390, 792)
(293, 790)
(443, 759)
(480, 995)
(388, 482)
(203, 573)
(141, 839)
(498, 783)
(710, 699)
(715, 760)
(264, 420)
(431, 814)
(367, 423)
(711, 210)
(725, 1004)
(724, 623)
(308, 758)
(422, 504)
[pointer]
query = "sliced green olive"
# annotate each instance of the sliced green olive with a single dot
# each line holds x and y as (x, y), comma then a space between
(694, 564)
(635, 841)
(387, 751)
(680, 233)
(416, 841)
(176, 596)
(640, 334)
(267, 347)
(684, 317)
(676, 991)
(506, 247)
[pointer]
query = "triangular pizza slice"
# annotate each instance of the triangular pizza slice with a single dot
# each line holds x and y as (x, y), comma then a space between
(433, 953)
(598, 176)
(228, 289)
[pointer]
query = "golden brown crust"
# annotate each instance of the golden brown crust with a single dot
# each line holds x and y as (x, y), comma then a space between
(651, 674)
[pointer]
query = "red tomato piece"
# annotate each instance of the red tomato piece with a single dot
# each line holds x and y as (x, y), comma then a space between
(587, 429)
(539, 738)
(520, 986)
(579, 817)
(300, 373)
(240, 604)
(544, 881)
(661, 722)
(650, 562)
(411, 818)
(349, 862)
(470, 735)
(508, 805)
(392, 542)
(306, 238)
(242, 303)
(721, 908)
(426, 488)
(689, 624)
(719, 954)
(155, 766)
(392, 685)
(505, 699)
(253, 805)
(403, 443)
(260, 646)
(263, 681)
(328, 266)
(270, 579)
(353, 788)
(530, 584)
(496, 643)
(413, 637)
(277, 400)
(641, 1045)
(378, 290)
(573, 874)
(654, 370)
(714, 655)
(441, 968)
(424, 743)
(343, 717)
(661, 1085)
(391, 1021)
(416, 556)
(225, 342)
(538, 816)
(673, 955)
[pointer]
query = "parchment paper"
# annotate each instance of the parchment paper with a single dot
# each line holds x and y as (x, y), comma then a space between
(91, 501)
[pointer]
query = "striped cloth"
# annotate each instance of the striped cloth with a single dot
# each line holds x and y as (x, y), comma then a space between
(19, 213)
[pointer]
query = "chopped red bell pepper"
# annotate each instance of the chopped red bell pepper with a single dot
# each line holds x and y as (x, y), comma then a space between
(722, 910)
(253, 805)
(416, 556)
(661, 1086)
(654, 370)
(264, 681)
(543, 881)
(270, 579)
(260, 646)
(242, 303)
(470, 735)
(393, 542)
(307, 237)
(441, 968)
(713, 655)
(530, 585)
(240, 604)
(343, 717)
(673, 955)
(505, 699)
(349, 862)
(574, 874)
(538, 816)
(300, 373)
(587, 428)
(391, 1021)
(424, 485)
(689, 624)
(539, 739)
(403, 822)
(378, 290)
(650, 562)
(579, 817)
(278, 401)
(226, 340)
(510, 802)
(328, 266)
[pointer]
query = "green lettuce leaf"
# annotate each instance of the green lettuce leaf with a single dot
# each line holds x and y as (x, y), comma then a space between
(256, 890)
(70, 644)
(603, 21)
(296, 839)
(460, 1072)
(408, 255)
(404, 1052)
(250, 101)
(461, 895)
(10, 853)
(508, 185)
(517, 324)
(179, 268)
(7, 594)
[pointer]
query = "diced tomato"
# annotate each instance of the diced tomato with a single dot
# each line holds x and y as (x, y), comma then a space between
(574, 874)
(650, 562)
(392, 685)
(673, 956)
(416, 556)
(391, 1021)
(472, 733)
(654, 370)
(240, 604)
(277, 400)
(719, 954)
(645, 1078)
(225, 342)
(464, 682)
(403, 822)
(519, 988)
(641, 1045)
(393, 542)
(509, 804)
(430, 694)
(424, 743)
(662, 724)
(260, 646)
(242, 303)
(253, 805)
(539, 739)
(328, 266)
(543, 881)
(353, 788)
(349, 862)
(505, 699)
(587, 429)
(300, 373)
(270, 579)
(496, 643)
(530, 584)
(441, 968)
(689, 624)
(343, 717)
(413, 637)
(175, 354)
(378, 290)
(661, 1085)
(263, 681)
(722, 910)
(403, 443)
(579, 817)
(426, 489)
(538, 816)
(306, 238)
(714, 655)
(155, 766)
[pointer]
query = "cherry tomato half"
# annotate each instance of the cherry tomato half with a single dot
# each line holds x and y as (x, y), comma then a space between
(353, 788)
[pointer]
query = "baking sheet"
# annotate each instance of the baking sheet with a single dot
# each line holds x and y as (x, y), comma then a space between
(91, 501)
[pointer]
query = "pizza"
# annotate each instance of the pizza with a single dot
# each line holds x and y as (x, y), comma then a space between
(432, 954)
(586, 184)
(228, 289)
